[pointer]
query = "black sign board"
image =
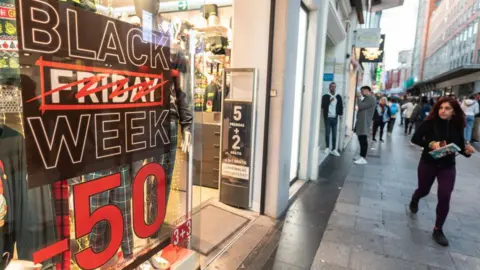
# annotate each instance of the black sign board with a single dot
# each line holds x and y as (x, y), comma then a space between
(237, 150)
(95, 91)
(373, 55)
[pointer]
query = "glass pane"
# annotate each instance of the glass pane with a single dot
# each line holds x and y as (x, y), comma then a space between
(97, 134)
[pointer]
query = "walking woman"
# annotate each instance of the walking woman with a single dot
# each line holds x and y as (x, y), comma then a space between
(381, 117)
(470, 108)
(444, 125)
(394, 108)
(408, 109)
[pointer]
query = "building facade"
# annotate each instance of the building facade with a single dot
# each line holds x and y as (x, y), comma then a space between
(447, 57)
(418, 52)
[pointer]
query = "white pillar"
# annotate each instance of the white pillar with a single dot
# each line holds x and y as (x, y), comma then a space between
(281, 107)
(313, 83)
(251, 22)
(314, 123)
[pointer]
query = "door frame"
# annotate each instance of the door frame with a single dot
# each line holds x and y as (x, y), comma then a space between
(303, 8)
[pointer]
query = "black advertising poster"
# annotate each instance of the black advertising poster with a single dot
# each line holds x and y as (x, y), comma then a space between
(373, 55)
(95, 92)
(236, 144)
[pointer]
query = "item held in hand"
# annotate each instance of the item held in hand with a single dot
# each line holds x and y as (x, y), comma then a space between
(444, 151)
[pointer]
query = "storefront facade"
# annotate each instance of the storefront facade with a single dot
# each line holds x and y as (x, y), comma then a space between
(144, 134)
(329, 37)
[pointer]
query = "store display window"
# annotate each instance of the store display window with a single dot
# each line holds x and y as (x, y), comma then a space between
(95, 134)
(110, 134)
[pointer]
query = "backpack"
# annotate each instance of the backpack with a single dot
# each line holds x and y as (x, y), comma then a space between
(424, 112)
(394, 108)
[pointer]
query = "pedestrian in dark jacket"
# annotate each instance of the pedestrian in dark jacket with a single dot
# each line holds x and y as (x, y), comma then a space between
(420, 113)
(381, 117)
(443, 126)
(332, 108)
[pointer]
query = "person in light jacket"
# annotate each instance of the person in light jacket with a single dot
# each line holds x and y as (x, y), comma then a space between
(366, 108)
(381, 117)
(470, 108)
(408, 110)
(476, 126)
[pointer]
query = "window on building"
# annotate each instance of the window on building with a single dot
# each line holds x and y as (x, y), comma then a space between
(475, 28)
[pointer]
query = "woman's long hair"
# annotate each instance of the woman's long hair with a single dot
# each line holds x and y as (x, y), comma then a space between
(458, 117)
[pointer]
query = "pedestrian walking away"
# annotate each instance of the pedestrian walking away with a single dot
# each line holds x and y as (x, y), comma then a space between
(381, 117)
(407, 114)
(366, 108)
(419, 114)
(476, 125)
(394, 108)
(332, 108)
(444, 125)
(403, 102)
(470, 108)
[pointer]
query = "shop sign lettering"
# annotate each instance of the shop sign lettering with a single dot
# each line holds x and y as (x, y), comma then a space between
(85, 220)
(95, 93)
(237, 146)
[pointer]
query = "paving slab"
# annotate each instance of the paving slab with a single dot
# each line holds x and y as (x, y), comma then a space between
(371, 226)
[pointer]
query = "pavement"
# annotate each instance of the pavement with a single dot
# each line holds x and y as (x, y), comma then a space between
(355, 217)
(371, 228)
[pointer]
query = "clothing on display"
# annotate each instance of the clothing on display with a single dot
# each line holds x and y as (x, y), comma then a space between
(28, 214)
(210, 103)
(179, 108)
(167, 160)
(62, 213)
(121, 197)
(216, 45)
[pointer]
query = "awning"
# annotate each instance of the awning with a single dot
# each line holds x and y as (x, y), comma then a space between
(451, 74)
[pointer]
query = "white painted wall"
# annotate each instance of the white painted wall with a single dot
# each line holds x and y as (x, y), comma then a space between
(250, 50)
(281, 108)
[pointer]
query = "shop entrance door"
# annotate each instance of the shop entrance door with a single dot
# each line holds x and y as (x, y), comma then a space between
(299, 85)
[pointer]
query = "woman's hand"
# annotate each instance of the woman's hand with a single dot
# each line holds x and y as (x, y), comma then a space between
(469, 149)
(435, 145)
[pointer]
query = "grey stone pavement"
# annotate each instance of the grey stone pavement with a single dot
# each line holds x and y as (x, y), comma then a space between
(371, 227)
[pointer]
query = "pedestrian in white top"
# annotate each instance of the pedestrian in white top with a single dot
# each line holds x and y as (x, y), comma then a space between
(408, 110)
(471, 108)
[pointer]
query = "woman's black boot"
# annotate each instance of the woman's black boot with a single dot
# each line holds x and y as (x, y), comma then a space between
(414, 206)
(440, 237)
